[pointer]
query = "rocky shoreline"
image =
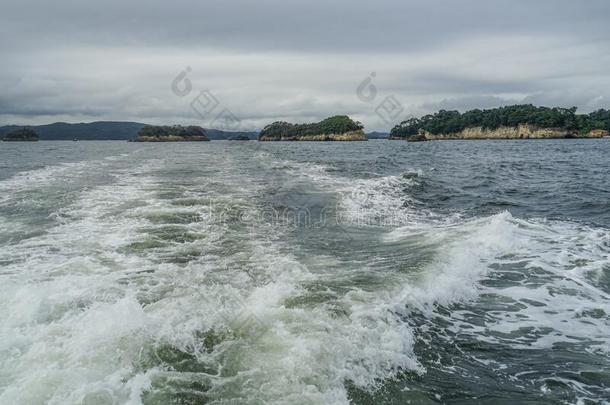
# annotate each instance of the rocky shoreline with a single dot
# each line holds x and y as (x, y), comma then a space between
(345, 137)
(522, 131)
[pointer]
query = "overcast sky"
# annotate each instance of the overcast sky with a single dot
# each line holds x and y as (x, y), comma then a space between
(267, 60)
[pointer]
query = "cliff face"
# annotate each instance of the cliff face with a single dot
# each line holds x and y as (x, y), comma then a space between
(522, 131)
(348, 136)
(519, 132)
(599, 133)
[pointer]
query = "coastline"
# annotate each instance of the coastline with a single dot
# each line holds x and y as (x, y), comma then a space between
(520, 132)
(352, 136)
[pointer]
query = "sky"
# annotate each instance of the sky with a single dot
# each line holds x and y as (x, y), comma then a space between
(243, 64)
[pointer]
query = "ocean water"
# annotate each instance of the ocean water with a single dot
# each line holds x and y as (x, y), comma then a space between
(305, 273)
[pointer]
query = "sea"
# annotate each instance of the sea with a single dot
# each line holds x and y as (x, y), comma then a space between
(379, 272)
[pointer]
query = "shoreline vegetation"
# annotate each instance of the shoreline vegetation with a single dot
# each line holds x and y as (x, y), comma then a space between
(511, 122)
(21, 135)
(175, 133)
(336, 128)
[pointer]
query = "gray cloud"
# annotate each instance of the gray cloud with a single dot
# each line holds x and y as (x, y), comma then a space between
(297, 60)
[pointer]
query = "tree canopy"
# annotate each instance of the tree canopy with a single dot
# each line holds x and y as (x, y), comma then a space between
(446, 122)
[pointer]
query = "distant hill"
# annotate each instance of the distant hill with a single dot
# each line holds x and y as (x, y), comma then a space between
(101, 130)
(378, 135)
(104, 131)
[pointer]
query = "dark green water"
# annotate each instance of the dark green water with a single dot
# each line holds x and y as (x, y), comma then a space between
(310, 273)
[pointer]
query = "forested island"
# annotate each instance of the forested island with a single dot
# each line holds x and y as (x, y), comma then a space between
(511, 122)
(337, 128)
(174, 133)
(21, 135)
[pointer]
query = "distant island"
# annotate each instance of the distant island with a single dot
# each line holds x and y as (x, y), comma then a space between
(511, 122)
(337, 128)
(175, 133)
(21, 135)
(377, 135)
(241, 137)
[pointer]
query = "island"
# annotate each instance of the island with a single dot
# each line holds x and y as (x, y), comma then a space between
(337, 128)
(240, 137)
(510, 122)
(174, 133)
(21, 135)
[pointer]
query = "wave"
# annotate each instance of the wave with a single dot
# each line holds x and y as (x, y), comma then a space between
(50, 175)
(385, 201)
(32, 179)
(509, 283)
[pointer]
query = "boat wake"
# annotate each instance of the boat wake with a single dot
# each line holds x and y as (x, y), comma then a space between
(148, 285)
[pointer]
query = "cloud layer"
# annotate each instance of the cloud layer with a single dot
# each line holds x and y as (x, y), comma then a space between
(297, 60)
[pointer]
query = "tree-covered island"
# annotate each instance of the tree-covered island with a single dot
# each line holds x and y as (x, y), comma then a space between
(511, 122)
(21, 135)
(337, 128)
(174, 133)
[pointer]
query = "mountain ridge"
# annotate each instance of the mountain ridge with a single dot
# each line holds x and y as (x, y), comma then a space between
(105, 131)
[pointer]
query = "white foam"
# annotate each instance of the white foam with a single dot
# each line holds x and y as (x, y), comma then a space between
(49, 175)
(379, 201)
(67, 325)
(559, 302)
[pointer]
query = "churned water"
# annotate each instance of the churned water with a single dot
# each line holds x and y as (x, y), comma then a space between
(305, 273)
